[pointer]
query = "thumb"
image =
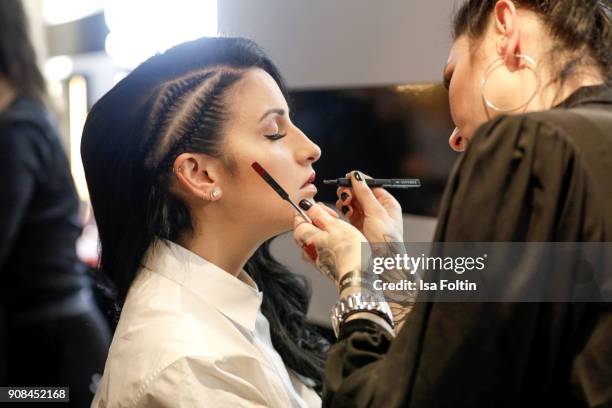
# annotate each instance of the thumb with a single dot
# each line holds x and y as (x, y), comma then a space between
(319, 216)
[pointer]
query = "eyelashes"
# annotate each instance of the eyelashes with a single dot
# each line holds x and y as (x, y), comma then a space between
(276, 136)
(447, 80)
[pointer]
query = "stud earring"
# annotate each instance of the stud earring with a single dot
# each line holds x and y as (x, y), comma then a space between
(215, 194)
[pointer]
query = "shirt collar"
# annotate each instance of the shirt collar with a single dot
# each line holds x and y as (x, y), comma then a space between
(588, 94)
(238, 298)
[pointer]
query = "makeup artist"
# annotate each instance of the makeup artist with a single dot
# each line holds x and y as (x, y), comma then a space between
(529, 88)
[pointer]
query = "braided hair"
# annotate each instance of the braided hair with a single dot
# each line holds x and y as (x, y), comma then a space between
(170, 104)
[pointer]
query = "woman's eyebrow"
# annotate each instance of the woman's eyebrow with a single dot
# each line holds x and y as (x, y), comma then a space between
(278, 111)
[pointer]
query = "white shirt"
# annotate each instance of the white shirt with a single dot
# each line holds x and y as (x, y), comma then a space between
(192, 335)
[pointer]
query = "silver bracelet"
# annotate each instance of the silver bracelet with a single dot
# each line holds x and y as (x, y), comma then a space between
(359, 302)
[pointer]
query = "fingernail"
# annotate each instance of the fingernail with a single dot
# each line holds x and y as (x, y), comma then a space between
(305, 205)
(358, 176)
(311, 251)
(345, 209)
(344, 196)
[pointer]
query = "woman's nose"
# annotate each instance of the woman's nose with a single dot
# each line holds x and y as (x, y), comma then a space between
(456, 141)
(308, 152)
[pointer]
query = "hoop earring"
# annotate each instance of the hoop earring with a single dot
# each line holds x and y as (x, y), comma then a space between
(498, 63)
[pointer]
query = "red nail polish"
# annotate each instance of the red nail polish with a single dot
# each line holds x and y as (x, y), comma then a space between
(311, 251)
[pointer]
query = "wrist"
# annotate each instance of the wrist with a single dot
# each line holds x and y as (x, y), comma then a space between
(350, 279)
(373, 318)
(359, 301)
(351, 261)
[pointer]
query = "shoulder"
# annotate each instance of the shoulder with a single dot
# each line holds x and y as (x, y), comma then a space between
(522, 143)
(20, 134)
(26, 127)
(522, 165)
(160, 317)
(190, 380)
(166, 335)
(183, 379)
(119, 388)
(522, 149)
(23, 147)
(26, 113)
(526, 131)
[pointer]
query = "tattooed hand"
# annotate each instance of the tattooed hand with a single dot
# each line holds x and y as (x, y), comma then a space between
(338, 244)
(373, 211)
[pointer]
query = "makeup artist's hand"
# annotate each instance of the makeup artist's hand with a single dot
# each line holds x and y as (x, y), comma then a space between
(337, 243)
(373, 211)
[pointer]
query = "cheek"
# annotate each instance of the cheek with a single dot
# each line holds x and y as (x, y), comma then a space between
(459, 100)
(465, 101)
(252, 194)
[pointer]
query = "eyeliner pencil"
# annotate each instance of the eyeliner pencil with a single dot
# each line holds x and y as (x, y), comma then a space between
(374, 182)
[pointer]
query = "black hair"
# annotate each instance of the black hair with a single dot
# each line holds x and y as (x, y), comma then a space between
(17, 57)
(581, 27)
(174, 103)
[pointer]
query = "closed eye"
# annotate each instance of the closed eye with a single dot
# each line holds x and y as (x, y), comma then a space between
(276, 136)
(448, 75)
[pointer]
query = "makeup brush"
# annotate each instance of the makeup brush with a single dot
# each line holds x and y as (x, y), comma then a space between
(310, 250)
(279, 190)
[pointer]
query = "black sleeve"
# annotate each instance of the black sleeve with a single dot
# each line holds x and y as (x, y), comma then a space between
(520, 180)
(20, 161)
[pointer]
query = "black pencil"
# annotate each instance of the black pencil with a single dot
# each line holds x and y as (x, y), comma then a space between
(387, 183)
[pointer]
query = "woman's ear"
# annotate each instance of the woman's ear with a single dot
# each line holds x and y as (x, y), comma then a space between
(193, 174)
(507, 25)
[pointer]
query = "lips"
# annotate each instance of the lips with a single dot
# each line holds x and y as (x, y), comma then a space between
(310, 179)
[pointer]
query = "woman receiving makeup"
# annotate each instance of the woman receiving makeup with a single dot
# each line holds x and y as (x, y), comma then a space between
(208, 317)
(529, 88)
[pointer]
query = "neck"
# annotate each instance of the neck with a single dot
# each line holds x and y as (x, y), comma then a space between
(7, 94)
(229, 245)
(552, 95)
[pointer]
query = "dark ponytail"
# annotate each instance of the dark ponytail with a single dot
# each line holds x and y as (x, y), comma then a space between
(582, 28)
(170, 104)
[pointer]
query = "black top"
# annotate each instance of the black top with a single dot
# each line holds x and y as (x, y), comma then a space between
(39, 222)
(542, 176)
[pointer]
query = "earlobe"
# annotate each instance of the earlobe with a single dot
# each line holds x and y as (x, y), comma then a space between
(215, 194)
(196, 177)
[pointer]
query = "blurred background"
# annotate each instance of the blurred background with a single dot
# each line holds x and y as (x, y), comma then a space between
(364, 83)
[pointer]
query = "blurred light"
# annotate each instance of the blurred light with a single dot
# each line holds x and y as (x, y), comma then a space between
(416, 88)
(141, 28)
(63, 11)
(58, 68)
(55, 90)
(77, 112)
